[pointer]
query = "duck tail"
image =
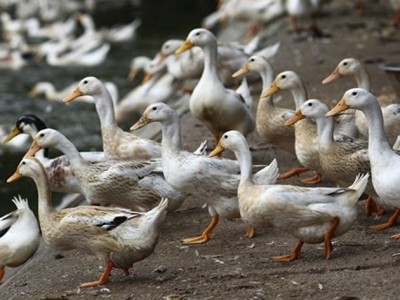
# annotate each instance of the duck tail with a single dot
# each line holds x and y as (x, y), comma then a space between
(267, 175)
(359, 186)
(158, 213)
(20, 203)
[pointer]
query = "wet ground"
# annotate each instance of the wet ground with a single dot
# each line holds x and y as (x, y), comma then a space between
(364, 263)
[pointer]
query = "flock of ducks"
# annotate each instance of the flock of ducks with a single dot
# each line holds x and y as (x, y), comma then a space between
(132, 184)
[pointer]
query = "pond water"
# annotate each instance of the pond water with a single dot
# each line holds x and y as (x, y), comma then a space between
(161, 20)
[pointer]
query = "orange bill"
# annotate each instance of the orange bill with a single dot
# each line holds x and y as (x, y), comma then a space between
(32, 150)
(334, 76)
(271, 90)
(186, 46)
(141, 123)
(17, 175)
(218, 150)
(341, 106)
(75, 94)
(245, 69)
(297, 117)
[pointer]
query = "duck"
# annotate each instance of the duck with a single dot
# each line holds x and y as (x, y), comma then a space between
(385, 163)
(220, 109)
(300, 9)
(391, 113)
(306, 141)
(19, 236)
(50, 93)
(122, 33)
(312, 215)
(117, 144)
(59, 172)
(118, 236)
(213, 180)
(104, 182)
(340, 160)
(270, 118)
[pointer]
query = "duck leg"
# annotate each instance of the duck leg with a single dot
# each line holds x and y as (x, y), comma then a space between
(372, 208)
(317, 178)
(2, 271)
(206, 234)
(396, 19)
(389, 223)
(295, 171)
(328, 237)
(250, 232)
(290, 257)
(103, 278)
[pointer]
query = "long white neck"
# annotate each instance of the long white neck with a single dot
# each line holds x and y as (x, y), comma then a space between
(105, 108)
(378, 144)
(325, 128)
(299, 94)
(267, 76)
(171, 134)
(245, 161)
(210, 61)
(363, 79)
(70, 151)
(44, 194)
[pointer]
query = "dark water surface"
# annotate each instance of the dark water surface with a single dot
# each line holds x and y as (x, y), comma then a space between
(161, 20)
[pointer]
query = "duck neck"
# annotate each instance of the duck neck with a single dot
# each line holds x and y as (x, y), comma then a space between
(171, 134)
(363, 79)
(65, 146)
(105, 108)
(267, 76)
(245, 161)
(325, 127)
(210, 61)
(299, 94)
(44, 194)
(377, 141)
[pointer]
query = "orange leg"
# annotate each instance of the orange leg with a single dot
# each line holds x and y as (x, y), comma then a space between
(250, 232)
(295, 27)
(293, 172)
(328, 237)
(389, 223)
(396, 19)
(206, 234)
(2, 271)
(372, 208)
(290, 257)
(317, 178)
(104, 277)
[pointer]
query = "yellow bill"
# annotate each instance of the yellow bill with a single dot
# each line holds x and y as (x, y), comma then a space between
(141, 123)
(12, 135)
(17, 175)
(341, 106)
(75, 94)
(186, 46)
(271, 90)
(245, 69)
(297, 117)
(217, 151)
(32, 150)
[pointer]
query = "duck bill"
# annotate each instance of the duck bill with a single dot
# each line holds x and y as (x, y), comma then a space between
(33, 93)
(334, 76)
(17, 175)
(244, 70)
(297, 117)
(12, 135)
(341, 106)
(146, 78)
(186, 46)
(271, 90)
(32, 150)
(75, 94)
(218, 150)
(141, 123)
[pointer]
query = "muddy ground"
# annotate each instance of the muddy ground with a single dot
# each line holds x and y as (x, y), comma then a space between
(365, 264)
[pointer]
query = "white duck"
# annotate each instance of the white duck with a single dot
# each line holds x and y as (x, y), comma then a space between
(391, 113)
(213, 180)
(300, 9)
(19, 236)
(118, 236)
(117, 144)
(218, 108)
(385, 163)
(313, 215)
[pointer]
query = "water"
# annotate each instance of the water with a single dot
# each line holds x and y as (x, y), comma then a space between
(161, 20)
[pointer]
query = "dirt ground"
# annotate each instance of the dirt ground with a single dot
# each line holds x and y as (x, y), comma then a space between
(365, 264)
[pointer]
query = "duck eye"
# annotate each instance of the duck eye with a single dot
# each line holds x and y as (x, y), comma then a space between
(252, 59)
(354, 93)
(85, 82)
(225, 136)
(198, 33)
(24, 163)
(310, 104)
(154, 108)
(42, 135)
(345, 63)
(283, 76)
